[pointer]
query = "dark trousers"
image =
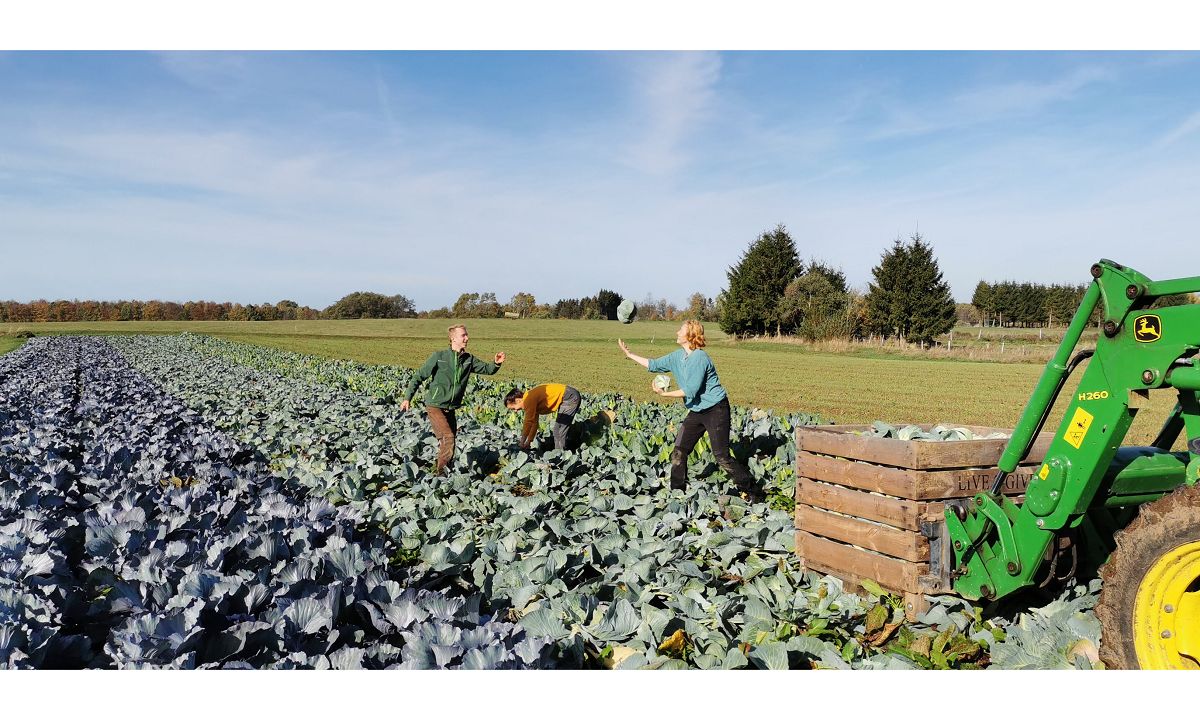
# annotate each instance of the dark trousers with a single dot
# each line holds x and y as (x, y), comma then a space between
(714, 421)
(566, 415)
(445, 425)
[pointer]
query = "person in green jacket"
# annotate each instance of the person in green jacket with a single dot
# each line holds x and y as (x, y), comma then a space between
(448, 372)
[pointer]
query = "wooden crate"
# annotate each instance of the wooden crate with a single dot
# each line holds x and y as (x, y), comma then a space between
(867, 507)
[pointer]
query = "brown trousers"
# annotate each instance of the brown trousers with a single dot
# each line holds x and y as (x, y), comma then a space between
(445, 425)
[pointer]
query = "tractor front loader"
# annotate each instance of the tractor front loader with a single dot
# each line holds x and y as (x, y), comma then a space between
(1132, 512)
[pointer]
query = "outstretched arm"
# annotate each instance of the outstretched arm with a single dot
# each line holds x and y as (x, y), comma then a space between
(636, 358)
(483, 367)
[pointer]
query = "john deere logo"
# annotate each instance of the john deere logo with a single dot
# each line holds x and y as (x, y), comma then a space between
(1147, 328)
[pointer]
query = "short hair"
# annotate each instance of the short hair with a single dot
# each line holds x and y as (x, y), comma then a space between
(450, 330)
(694, 333)
(513, 395)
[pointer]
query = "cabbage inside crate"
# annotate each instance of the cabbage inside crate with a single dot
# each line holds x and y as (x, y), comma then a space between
(871, 507)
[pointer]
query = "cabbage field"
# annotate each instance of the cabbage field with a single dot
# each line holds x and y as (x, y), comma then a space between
(187, 502)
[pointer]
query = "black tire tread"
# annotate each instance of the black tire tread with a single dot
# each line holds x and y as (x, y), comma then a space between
(1160, 526)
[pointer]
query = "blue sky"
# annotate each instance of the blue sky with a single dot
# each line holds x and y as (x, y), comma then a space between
(253, 177)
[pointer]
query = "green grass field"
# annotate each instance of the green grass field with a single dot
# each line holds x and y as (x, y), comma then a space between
(849, 387)
(9, 343)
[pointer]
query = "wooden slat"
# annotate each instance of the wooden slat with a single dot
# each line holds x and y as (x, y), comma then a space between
(885, 509)
(884, 539)
(841, 441)
(911, 484)
(834, 558)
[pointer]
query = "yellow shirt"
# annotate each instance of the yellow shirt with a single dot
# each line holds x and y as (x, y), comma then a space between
(541, 400)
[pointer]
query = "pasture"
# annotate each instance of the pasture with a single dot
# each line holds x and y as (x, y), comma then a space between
(9, 343)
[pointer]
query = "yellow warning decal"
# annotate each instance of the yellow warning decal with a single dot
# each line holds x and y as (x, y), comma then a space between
(1078, 428)
(1044, 472)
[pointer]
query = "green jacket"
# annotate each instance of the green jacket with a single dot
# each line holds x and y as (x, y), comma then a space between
(450, 372)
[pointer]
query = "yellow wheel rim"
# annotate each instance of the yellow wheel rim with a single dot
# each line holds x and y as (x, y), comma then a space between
(1166, 612)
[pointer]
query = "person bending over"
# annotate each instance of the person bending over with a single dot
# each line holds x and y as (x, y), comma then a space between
(543, 400)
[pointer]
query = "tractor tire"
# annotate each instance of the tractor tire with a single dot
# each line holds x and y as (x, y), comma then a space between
(1149, 608)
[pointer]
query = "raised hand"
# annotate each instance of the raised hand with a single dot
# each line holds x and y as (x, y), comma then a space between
(499, 358)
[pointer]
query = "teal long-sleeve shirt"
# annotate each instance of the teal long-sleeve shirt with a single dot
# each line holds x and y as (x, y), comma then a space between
(695, 374)
(448, 373)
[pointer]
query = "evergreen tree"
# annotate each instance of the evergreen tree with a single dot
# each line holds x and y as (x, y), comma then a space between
(984, 300)
(1005, 302)
(1173, 300)
(1061, 303)
(933, 307)
(885, 300)
(568, 309)
(607, 302)
(909, 298)
(757, 282)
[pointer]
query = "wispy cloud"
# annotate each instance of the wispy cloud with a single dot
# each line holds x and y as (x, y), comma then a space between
(990, 103)
(1190, 125)
(384, 96)
(675, 91)
(224, 73)
(1006, 99)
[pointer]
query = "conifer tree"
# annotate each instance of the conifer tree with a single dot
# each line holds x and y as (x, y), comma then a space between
(932, 306)
(984, 300)
(885, 298)
(750, 305)
(909, 298)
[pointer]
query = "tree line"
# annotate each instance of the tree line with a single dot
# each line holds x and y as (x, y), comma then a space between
(772, 292)
(601, 306)
(105, 310)
(1013, 304)
(356, 305)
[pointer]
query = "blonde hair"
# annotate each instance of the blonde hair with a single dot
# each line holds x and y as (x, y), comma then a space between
(450, 330)
(693, 332)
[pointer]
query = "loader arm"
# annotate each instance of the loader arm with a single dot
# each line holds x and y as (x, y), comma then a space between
(1088, 484)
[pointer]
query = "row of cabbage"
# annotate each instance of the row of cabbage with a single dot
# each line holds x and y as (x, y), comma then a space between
(39, 451)
(606, 422)
(133, 534)
(583, 546)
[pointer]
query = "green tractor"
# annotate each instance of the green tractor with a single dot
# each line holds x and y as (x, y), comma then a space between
(1133, 513)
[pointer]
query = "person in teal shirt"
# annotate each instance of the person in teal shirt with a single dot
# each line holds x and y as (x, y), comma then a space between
(707, 404)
